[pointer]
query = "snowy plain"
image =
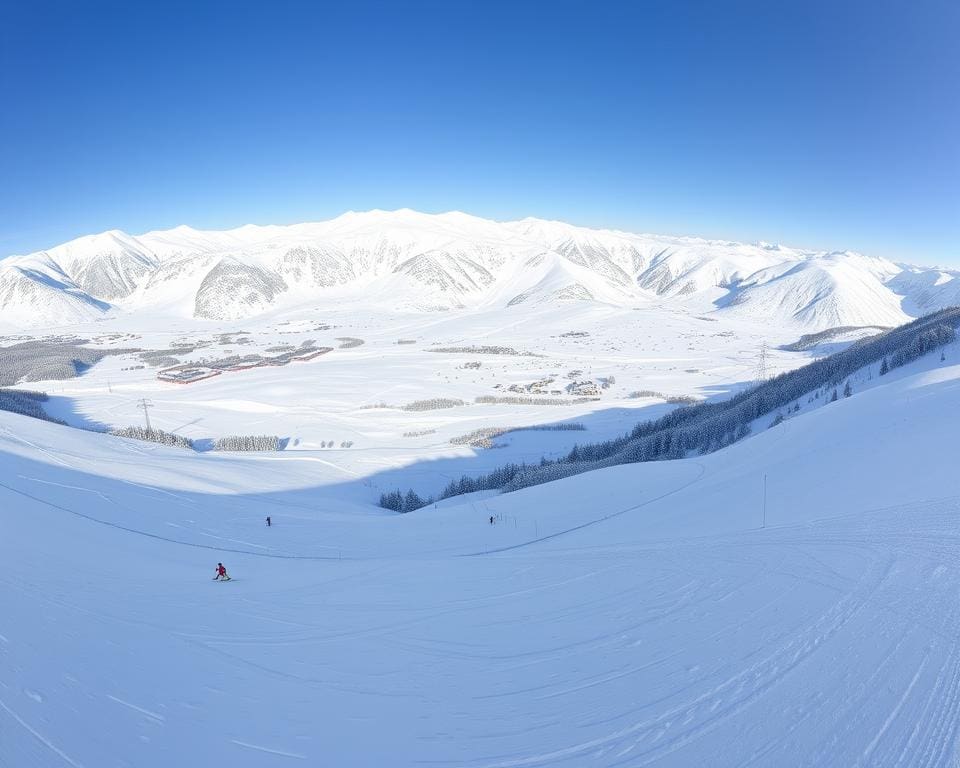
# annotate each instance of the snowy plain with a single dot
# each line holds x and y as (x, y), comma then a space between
(357, 394)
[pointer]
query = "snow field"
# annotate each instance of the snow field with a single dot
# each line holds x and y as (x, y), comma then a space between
(635, 616)
(327, 400)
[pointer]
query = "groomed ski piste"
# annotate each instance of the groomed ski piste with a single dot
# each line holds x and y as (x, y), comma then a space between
(650, 614)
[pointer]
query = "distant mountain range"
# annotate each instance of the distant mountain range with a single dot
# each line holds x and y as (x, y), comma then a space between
(410, 261)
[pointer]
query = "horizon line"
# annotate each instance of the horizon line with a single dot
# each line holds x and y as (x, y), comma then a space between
(612, 230)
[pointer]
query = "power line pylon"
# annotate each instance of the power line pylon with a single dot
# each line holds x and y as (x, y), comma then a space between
(762, 365)
(146, 404)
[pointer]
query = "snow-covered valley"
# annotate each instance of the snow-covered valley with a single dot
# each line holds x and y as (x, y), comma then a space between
(791, 599)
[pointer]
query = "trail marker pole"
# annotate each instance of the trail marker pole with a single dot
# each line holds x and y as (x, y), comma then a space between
(764, 502)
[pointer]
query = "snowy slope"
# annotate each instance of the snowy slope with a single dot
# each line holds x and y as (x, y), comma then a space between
(34, 291)
(640, 615)
(834, 291)
(108, 266)
(925, 288)
(549, 278)
(452, 261)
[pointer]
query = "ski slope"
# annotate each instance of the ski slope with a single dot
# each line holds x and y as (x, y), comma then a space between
(640, 615)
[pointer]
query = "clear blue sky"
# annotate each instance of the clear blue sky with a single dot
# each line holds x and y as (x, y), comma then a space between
(823, 124)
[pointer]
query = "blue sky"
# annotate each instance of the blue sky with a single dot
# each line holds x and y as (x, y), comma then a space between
(821, 124)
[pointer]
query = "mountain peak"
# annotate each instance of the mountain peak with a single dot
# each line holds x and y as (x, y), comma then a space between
(454, 260)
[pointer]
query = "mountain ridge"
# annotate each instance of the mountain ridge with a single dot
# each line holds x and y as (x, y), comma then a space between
(451, 261)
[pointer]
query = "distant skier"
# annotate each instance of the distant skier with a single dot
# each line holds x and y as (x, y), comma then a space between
(221, 573)
(268, 521)
(491, 519)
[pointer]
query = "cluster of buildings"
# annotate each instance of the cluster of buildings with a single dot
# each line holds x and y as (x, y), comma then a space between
(583, 389)
(578, 388)
(541, 387)
(188, 373)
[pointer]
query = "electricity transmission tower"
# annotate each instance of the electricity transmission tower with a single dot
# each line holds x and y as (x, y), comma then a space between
(145, 404)
(762, 364)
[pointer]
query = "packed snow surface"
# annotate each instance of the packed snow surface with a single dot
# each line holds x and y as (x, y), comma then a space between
(654, 614)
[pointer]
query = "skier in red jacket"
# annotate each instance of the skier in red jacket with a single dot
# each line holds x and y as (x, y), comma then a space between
(221, 573)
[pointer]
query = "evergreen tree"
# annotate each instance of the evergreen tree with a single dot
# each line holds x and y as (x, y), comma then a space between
(846, 390)
(392, 500)
(412, 501)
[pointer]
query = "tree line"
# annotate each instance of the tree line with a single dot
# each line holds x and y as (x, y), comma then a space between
(26, 403)
(247, 443)
(46, 361)
(154, 436)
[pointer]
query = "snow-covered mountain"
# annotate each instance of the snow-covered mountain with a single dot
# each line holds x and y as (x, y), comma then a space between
(35, 290)
(414, 261)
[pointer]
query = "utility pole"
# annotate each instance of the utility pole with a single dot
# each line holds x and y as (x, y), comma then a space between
(145, 404)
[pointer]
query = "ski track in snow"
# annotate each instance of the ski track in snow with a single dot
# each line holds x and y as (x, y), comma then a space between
(141, 710)
(63, 756)
(711, 701)
(589, 523)
(267, 750)
(652, 622)
(193, 544)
